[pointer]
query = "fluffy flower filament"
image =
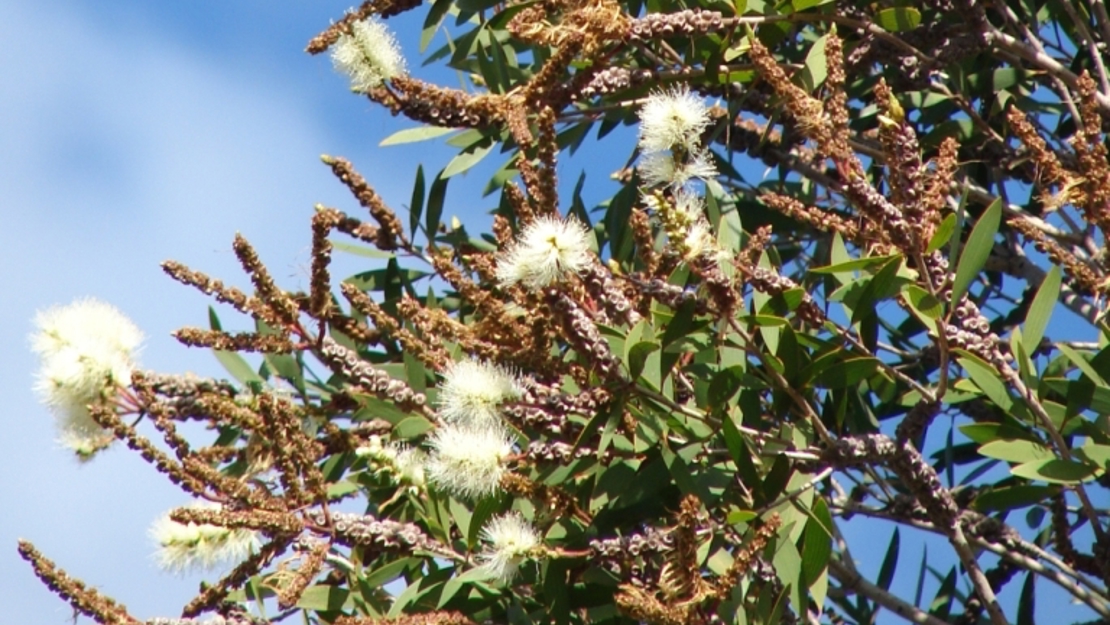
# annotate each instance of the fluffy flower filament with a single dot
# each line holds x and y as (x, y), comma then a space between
(473, 392)
(468, 460)
(547, 252)
(369, 54)
(671, 124)
(199, 546)
(86, 349)
(510, 540)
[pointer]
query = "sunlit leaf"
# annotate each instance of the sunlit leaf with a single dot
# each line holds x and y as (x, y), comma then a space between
(976, 251)
(898, 19)
(412, 135)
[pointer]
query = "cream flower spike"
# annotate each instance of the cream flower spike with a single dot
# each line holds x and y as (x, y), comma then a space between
(184, 547)
(473, 391)
(672, 118)
(511, 540)
(404, 464)
(369, 54)
(659, 169)
(546, 252)
(84, 348)
(468, 461)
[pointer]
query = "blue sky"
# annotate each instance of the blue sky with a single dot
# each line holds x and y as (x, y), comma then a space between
(134, 132)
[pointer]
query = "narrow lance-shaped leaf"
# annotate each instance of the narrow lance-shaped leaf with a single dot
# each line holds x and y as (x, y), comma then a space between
(890, 561)
(235, 364)
(413, 135)
(898, 19)
(1028, 600)
(434, 209)
(1036, 320)
(977, 250)
(416, 205)
(942, 234)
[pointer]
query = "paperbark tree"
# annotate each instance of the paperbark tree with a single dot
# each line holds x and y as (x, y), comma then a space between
(663, 407)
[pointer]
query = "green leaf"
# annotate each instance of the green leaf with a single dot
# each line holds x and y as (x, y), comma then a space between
(258, 593)
(638, 357)
(1095, 454)
(360, 250)
(800, 5)
(680, 471)
(890, 561)
(1016, 451)
(341, 488)
(412, 427)
(941, 606)
(466, 159)
(375, 408)
(919, 592)
(817, 545)
(285, 365)
(483, 511)
(1055, 471)
(736, 517)
(977, 250)
(855, 264)
(986, 378)
(235, 364)
(898, 19)
(1080, 361)
(455, 584)
(434, 210)
(461, 515)
(389, 572)
(1081, 395)
(734, 441)
(942, 235)
(1028, 600)
(416, 205)
(983, 433)
(433, 20)
(323, 598)
(1036, 319)
(1011, 498)
(412, 135)
(724, 386)
(383, 279)
(884, 285)
(815, 66)
(924, 302)
(788, 567)
(848, 372)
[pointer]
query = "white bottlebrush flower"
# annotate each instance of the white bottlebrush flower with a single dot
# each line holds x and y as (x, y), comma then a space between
(659, 169)
(510, 540)
(377, 451)
(199, 546)
(368, 53)
(410, 466)
(672, 118)
(473, 391)
(403, 463)
(85, 445)
(83, 324)
(468, 460)
(85, 348)
(546, 252)
(698, 239)
(690, 206)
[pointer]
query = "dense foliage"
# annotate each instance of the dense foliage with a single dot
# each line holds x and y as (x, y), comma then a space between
(663, 408)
